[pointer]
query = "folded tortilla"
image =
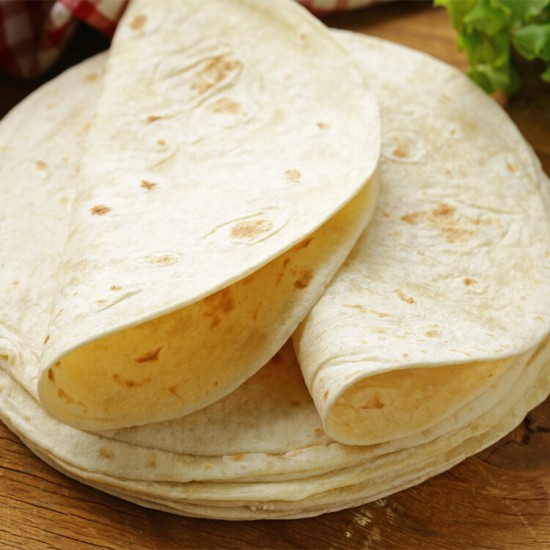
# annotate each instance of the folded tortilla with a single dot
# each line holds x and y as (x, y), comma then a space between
(453, 275)
(262, 451)
(193, 237)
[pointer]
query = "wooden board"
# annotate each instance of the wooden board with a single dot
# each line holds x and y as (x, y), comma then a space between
(497, 499)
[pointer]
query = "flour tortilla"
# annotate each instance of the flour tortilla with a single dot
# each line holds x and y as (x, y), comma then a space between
(210, 138)
(260, 452)
(452, 275)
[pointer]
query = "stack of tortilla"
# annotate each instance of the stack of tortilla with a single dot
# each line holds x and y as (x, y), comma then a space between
(236, 285)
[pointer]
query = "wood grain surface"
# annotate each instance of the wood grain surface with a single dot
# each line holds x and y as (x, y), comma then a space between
(497, 499)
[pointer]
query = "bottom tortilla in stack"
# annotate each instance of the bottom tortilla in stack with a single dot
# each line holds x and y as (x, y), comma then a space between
(446, 293)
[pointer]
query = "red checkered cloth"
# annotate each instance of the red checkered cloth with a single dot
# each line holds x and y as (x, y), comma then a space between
(33, 33)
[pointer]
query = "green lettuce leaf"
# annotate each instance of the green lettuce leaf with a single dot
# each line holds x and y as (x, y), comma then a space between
(491, 32)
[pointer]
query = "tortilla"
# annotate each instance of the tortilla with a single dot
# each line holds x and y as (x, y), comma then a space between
(193, 238)
(453, 274)
(261, 451)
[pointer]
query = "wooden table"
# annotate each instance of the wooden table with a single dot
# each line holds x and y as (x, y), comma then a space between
(497, 499)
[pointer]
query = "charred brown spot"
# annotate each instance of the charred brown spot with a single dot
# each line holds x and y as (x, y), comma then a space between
(358, 307)
(375, 402)
(138, 22)
(304, 279)
(215, 322)
(162, 260)
(41, 165)
(91, 77)
(444, 210)
(146, 184)
(161, 142)
(116, 287)
(251, 229)
(401, 151)
(105, 452)
(432, 333)
(322, 125)
(152, 461)
(129, 383)
(226, 106)
(214, 72)
(293, 175)
(304, 244)
(512, 168)
(404, 297)
(149, 356)
(154, 118)
(62, 395)
(238, 457)
(173, 390)
(63, 200)
(295, 403)
(99, 210)
(319, 432)
(51, 375)
(325, 395)
(469, 281)
(47, 339)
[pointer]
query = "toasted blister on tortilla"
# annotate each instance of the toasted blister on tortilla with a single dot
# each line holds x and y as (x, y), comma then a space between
(452, 276)
(263, 451)
(217, 193)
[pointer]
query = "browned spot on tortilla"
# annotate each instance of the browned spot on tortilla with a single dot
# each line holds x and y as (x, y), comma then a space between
(105, 452)
(304, 279)
(129, 383)
(226, 106)
(63, 200)
(215, 322)
(219, 302)
(4, 357)
(319, 432)
(375, 402)
(322, 125)
(152, 460)
(173, 390)
(358, 307)
(385, 214)
(325, 395)
(41, 165)
(278, 358)
(85, 128)
(149, 356)
(444, 210)
(62, 395)
(101, 302)
(255, 312)
(161, 142)
(213, 72)
(58, 365)
(432, 333)
(539, 318)
(162, 260)
(295, 403)
(512, 168)
(238, 457)
(401, 150)
(91, 77)
(154, 118)
(51, 375)
(138, 22)
(293, 175)
(249, 279)
(405, 355)
(468, 281)
(404, 297)
(304, 244)
(251, 229)
(146, 184)
(47, 339)
(15, 282)
(115, 287)
(99, 210)
(286, 262)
